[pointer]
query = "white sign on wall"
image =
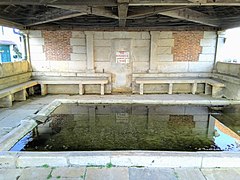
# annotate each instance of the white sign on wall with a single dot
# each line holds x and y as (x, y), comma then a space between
(122, 57)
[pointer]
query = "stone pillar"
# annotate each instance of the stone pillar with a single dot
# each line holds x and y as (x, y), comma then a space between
(153, 51)
(20, 95)
(6, 101)
(44, 89)
(219, 47)
(89, 46)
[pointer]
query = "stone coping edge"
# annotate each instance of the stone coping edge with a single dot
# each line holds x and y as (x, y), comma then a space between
(11, 138)
(119, 159)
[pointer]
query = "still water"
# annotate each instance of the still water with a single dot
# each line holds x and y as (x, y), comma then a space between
(73, 127)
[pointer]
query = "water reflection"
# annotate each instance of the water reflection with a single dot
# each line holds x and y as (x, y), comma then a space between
(132, 127)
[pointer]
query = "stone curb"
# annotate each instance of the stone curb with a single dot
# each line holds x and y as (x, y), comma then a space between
(7, 141)
(120, 158)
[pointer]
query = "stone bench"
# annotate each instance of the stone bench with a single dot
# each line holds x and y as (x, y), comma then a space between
(81, 83)
(15, 93)
(216, 85)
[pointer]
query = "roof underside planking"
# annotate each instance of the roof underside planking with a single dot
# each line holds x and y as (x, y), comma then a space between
(120, 14)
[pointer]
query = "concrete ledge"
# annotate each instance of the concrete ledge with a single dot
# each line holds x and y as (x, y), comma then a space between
(169, 159)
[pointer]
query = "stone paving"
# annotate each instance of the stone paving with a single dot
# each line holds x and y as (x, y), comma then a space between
(119, 173)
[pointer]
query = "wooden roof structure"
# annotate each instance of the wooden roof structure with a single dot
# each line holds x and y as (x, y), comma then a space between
(137, 15)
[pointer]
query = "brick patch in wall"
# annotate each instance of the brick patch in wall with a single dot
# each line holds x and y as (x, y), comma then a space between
(187, 45)
(57, 45)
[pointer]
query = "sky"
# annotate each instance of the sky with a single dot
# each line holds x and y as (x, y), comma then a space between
(231, 48)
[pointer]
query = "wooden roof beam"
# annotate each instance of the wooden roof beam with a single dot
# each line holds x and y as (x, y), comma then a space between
(98, 11)
(7, 23)
(122, 12)
(56, 18)
(149, 11)
(193, 16)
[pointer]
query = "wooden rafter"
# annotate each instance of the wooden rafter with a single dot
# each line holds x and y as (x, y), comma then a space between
(98, 11)
(11, 24)
(122, 14)
(149, 11)
(57, 18)
(193, 16)
(131, 2)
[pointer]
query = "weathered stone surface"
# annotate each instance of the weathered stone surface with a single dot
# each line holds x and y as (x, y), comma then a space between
(141, 43)
(78, 57)
(77, 66)
(152, 173)
(145, 35)
(89, 160)
(38, 56)
(77, 42)
(38, 161)
(59, 66)
(200, 66)
(9, 174)
(140, 54)
(36, 49)
(78, 34)
(210, 34)
(208, 42)
(206, 57)
(7, 161)
(79, 49)
(107, 174)
(41, 65)
(36, 41)
(35, 173)
(221, 174)
(36, 34)
(102, 43)
(102, 53)
(208, 50)
(140, 67)
(221, 161)
(166, 42)
(165, 58)
(68, 172)
(188, 174)
(98, 35)
(164, 50)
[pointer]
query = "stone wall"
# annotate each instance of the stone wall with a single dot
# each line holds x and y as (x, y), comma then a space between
(14, 73)
(232, 69)
(166, 52)
(229, 74)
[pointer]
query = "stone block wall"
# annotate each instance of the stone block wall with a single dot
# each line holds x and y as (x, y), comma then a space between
(161, 52)
(183, 52)
(14, 73)
(229, 74)
(150, 52)
(58, 51)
